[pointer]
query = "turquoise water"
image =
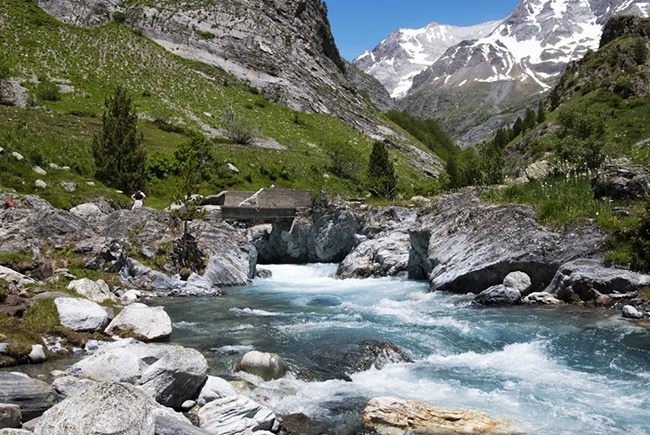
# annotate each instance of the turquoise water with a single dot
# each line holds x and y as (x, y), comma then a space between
(551, 370)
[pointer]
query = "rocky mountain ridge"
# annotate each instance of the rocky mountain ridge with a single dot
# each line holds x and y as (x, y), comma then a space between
(483, 84)
(407, 52)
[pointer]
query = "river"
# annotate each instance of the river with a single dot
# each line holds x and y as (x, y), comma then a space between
(566, 370)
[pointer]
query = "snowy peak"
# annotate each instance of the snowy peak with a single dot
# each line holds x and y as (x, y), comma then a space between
(407, 52)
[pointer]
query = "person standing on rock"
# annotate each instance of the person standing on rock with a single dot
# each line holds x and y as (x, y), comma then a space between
(138, 199)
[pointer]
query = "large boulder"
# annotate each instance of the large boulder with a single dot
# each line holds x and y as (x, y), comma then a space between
(519, 281)
(88, 211)
(96, 291)
(464, 245)
(81, 314)
(232, 258)
(390, 416)
(17, 278)
(171, 374)
(348, 358)
(268, 366)
(541, 170)
(33, 396)
(386, 254)
(103, 409)
(215, 388)
(621, 179)
(235, 415)
(150, 323)
(586, 280)
(498, 295)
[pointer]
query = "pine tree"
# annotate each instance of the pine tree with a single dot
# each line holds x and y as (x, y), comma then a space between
(530, 120)
(382, 179)
(541, 112)
(118, 153)
(518, 128)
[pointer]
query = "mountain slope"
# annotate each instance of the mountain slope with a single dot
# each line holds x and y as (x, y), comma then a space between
(407, 52)
(291, 149)
(477, 86)
(607, 91)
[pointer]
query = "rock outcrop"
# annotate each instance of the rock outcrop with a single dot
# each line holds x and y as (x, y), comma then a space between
(586, 280)
(464, 245)
(390, 416)
(621, 179)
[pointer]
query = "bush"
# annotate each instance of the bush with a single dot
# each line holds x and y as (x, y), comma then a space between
(119, 17)
(343, 159)
(48, 91)
(238, 130)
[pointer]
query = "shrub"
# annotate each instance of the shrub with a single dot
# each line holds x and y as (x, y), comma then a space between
(343, 159)
(119, 17)
(48, 91)
(238, 130)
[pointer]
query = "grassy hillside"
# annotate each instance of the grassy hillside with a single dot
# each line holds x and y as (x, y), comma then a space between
(174, 96)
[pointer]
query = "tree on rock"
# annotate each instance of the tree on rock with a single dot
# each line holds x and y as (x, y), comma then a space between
(119, 156)
(382, 179)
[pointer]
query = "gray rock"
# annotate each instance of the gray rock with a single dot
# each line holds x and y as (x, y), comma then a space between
(87, 211)
(39, 170)
(518, 281)
(630, 312)
(33, 396)
(232, 168)
(187, 405)
(268, 366)
(10, 415)
(103, 409)
(152, 323)
(541, 298)
(40, 184)
(171, 374)
(96, 291)
(68, 386)
(464, 245)
(326, 239)
(170, 426)
(130, 297)
(37, 355)
(51, 295)
(215, 388)
(235, 416)
(586, 280)
(15, 432)
(342, 360)
(621, 179)
(498, 295)
(17, 278)
(81, 314)
(542, 170)
(384, 255)
(69, 186)
(17, 156)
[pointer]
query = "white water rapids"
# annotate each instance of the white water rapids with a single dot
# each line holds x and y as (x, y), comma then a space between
(564, 370)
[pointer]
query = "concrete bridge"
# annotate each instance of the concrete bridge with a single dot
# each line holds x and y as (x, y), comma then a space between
(267, 205)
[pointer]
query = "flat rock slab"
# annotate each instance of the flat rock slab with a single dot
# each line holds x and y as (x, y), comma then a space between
(390, 416)
(235, 415)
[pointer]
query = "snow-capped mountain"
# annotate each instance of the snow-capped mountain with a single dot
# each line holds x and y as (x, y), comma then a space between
(503, 71)
(407, 52)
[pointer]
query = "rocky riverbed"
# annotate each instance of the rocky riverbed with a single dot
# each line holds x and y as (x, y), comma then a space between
(456, 242)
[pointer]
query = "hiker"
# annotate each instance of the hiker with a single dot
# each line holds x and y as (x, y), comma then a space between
(138, 199)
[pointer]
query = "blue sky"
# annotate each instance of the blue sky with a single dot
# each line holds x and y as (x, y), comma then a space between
(359, 25)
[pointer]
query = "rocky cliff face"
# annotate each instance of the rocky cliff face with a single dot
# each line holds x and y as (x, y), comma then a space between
(507, 70)
(407, 52)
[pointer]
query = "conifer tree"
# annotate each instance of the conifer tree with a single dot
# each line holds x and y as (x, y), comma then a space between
(518, 128)
(382, 179)
(530, 120)
(118, 153)
(541, 112)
